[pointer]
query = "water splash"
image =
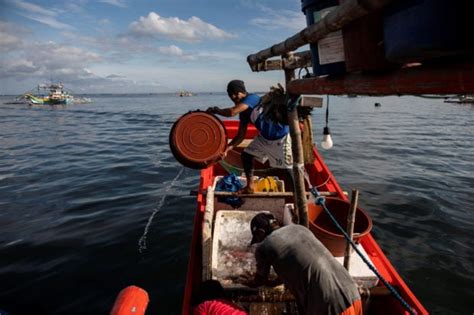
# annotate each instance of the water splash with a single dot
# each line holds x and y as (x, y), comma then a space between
(142, 241)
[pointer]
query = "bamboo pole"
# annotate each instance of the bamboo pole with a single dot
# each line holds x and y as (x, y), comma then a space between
(260, 194)
(346, 12)
(308, 141)
(270, 194)
(350, 226)
(298, 163)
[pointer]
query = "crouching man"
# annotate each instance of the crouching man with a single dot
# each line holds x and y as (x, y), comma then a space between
(319, 283)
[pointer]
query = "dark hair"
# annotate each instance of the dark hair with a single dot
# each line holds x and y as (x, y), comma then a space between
(208, 290)
(236, 86)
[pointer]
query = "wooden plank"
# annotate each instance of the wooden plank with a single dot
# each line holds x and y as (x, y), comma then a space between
(207, 235)
(453, 78)
(307, 139)
(311, 101)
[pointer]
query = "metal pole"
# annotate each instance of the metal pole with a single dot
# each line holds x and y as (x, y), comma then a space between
(298, 161)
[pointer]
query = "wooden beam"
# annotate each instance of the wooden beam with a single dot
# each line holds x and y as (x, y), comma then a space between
(457, 78)
(301, 206)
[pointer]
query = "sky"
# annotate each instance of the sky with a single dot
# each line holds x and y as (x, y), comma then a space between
(125, 46)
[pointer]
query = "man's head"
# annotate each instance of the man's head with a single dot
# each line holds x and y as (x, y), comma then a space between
(262, 225)
(236, 90)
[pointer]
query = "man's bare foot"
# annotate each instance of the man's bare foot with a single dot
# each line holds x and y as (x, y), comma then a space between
(247, 190)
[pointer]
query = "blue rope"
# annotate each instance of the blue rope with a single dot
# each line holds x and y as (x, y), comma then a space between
(292, 104)
(321, 201)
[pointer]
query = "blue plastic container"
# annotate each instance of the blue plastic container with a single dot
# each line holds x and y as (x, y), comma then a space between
(328, 54)
(416, 30)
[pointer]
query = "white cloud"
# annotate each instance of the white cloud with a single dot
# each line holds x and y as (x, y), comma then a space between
(40, 14)
(279, 19)
(60, 56)
(103, 22)
(171, 50)
(33, 8)
(193, 29)
(115, 76)
(117, 3)
(50, 59)
(11, 36)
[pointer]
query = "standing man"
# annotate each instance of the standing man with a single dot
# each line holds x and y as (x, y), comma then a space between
(273, 143)
(319, 283)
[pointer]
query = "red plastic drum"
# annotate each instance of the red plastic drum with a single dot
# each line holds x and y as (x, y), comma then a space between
(197, 139)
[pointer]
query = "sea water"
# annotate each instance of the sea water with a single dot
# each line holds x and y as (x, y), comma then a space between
(79, 183)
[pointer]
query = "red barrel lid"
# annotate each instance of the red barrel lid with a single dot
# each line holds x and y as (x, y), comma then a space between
(197, 139)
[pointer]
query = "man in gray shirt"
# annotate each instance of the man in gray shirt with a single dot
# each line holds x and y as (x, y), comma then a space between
(319, 283)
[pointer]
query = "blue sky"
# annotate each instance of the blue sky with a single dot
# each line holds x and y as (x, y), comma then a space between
(124, 46)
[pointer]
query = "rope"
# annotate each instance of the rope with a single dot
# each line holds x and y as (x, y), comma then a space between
(320, 201)
(327, 110)
(292, 104)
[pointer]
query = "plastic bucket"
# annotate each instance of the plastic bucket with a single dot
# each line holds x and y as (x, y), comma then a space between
(327, 54)
(324, 229)
(197, 139)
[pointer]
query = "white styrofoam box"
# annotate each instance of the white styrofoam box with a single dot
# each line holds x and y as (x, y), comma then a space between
(232, 255)
(359, 271)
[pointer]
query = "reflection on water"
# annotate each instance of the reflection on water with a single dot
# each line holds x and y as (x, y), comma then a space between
(78, 184)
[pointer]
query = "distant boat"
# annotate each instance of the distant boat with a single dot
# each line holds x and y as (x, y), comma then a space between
(183, 93)
(461, 99)
(57, 96)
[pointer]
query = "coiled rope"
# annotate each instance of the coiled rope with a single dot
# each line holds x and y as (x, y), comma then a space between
(320, 200)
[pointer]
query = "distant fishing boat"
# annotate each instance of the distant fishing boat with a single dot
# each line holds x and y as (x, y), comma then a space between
(57, 96)
(183, 93)
(461, 99)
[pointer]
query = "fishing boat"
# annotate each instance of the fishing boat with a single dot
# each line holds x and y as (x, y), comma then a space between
(184, 93)
(461, 99)
(221, 235)
(56, 96)
(206, 262)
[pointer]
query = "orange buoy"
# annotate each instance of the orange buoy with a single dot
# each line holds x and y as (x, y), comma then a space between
(131, 301)
(197, 139)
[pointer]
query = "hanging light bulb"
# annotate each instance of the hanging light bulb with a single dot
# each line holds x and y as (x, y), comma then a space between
(327, 140)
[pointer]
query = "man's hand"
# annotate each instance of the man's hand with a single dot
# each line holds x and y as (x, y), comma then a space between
(249, 280)
(223, 155)
(213, 110)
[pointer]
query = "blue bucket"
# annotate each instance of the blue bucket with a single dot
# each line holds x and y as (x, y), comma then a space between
(416, 30)
(328, 53)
